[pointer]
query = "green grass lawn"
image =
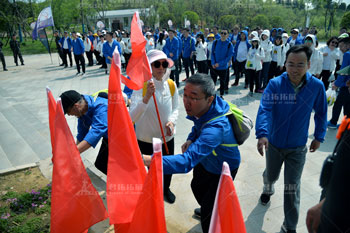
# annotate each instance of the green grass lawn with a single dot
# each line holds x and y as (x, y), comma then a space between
(29, 46)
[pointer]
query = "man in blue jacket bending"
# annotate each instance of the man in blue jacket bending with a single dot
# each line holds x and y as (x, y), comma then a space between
(282, 128)
(210, 143)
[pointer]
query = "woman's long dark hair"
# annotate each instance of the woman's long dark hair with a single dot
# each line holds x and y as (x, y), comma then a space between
(202, 37)
(161, 38)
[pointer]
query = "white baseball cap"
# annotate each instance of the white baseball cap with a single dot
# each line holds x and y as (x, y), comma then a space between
(155, 55)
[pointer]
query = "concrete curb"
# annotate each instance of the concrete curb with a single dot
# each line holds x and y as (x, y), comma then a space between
(18, 168)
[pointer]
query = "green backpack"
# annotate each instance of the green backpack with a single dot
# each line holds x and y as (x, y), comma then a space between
(240, 122)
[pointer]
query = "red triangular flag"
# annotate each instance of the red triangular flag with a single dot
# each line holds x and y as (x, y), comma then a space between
(75, 203)
(138, 70)
(149, 214)
(126, 172)
(227, 214)
(51, 103)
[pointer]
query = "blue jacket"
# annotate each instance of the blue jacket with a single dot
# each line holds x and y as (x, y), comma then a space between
(222, 52)
(180, 45)
(299, 40)
(78, 46)
(172, 47)
(93, 124)
(188, 46)
(91, 38)
(238, 42)
(107, 50)
(284, 116)
(341, 80)
(217, 36)
(212, 143)
(69, 42)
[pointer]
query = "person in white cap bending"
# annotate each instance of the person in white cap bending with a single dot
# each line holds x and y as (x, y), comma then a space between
(143, 111)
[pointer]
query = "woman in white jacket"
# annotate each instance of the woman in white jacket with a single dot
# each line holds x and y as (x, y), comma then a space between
(330, 55)
(87, 47)
(267, 46)
(277, 63)
(254, 65)
(143, 111)
(316, 60)
(201, 54)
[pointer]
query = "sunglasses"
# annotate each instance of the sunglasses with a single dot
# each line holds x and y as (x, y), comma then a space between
(224, 33)
(164, 64)
(334, 42)
(294, 33)
(308, 41)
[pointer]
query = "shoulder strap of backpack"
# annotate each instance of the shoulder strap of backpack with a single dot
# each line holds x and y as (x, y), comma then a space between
(171, 87)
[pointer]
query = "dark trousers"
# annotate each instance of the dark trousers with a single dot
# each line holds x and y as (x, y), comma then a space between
(98, 57)
(274, 71)
(211, 70)
(60, 53)
(202, 67)
(253, 77)
(180, 63)
(17, 54)
(147, 149)
(102, 157)
(240, 70)
(204, 185)
(264, 75)
(337, 68)
(324, 76)
(89, 57)
(233, 66)
(342, 101)
(174, 75)
(65, 53)
(222, 76)
(188, 62)
(80, 60)
(103, 62)
(2, 57)
(127, 58)
(227, 80)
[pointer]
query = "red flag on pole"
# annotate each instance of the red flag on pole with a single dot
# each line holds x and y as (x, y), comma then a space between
(126, 172)
(51, 103)
(149, 213)
(227, 214)
(138, 70)
(75, 203)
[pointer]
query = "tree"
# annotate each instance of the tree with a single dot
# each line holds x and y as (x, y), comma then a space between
(192, 17)
(345, 21)
(165, 18)
(260, 21)
(276, 21)
(342, 6)
(227, 21)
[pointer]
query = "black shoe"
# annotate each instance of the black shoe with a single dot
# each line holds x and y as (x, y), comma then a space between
(65, 66)
(169, 197)
(265, 199)
(197, 213)
(22, 64)
(62, 64)
(226, 91)
(285, 230)
(16, 64)
(71, 65)
(222, 97)
(106, 71)
(5, 69)
(78, 73)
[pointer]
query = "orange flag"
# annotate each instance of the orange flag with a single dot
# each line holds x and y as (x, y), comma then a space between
(51, 103)
(138, 70)
(75, 203)
(149, 214)
(126, 172)
(227, 215)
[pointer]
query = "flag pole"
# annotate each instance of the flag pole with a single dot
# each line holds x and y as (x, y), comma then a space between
(160, 124)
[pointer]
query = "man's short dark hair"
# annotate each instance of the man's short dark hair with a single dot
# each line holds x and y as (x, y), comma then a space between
(171, 30)
(187, 29)
(299, 49)
(205, 82)
(217, 28)
(345, 40)
(109, 33)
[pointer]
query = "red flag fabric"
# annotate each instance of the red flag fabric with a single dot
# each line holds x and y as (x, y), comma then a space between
(126, 172)
(227, 214)
(75, 203)
(51, 103)
(138, 70)
(149, 214)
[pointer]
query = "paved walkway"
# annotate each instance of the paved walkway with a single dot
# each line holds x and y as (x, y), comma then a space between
(24, 139)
